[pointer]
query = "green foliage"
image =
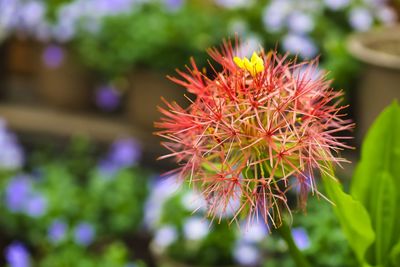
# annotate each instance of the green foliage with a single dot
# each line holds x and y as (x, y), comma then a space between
(150, 37)
(327, 246)
(353, 217)
(372, 208)
(215, 249)
(376, 182)
(115, 255)
(76, 191)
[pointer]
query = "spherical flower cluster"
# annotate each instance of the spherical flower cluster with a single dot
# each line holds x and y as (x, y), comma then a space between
(251, 128)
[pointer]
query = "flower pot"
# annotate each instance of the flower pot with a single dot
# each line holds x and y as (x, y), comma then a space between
(63, 82)
(21, 55)
(379, 85)
(20, 64)
(3, 73)
(147, 88)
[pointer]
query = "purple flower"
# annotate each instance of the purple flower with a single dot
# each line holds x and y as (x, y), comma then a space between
(20, 197)
(299, 44)
(107, 169)
(36, 205)
(173, 5)
(255, 232)
(300, 237)
(231, 4)
(17, 255)
(30, 15)
(57, 231)
(336, 4)
(17, 194)
(84, 234)
(125, 152)
(300, 22)
(275, 14)
(53, 56)
(361, 19)
(110, 7)
(107, 98)
(7, 15)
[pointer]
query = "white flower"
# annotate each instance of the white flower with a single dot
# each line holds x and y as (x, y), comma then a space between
(249, 45)
(161, 191)
(360, 19)
(192, 201)
(387, 15)
(299, 44)
(275, 14)
(336, 4)
(308, 73)
(165, 236)
(300, 22)
(238, 26)
(254, 232)
(196, 228)
(231, 4)
(246, 254)
(11, 152)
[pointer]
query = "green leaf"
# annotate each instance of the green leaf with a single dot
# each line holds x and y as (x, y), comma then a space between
(377, 180)
(384, 216)
(380, 151)
(395, 255)
(354, 219)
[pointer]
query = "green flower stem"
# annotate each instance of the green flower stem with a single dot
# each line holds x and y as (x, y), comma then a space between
(297, 255)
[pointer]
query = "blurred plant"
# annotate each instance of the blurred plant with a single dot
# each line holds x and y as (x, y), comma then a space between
(369, 215)
(308, 28)
(68, 207)
(318, 235)
(181, 237)
(152, 36)
(115, 254)
(59, 20)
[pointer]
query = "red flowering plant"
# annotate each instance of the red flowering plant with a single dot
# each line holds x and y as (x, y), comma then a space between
(252, 128)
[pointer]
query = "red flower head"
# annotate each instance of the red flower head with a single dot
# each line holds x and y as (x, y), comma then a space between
(251, 127)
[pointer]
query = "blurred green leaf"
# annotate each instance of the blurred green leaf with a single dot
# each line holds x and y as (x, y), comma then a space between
(377, 180)
(384, 215)
(354, 219)
(395, 255)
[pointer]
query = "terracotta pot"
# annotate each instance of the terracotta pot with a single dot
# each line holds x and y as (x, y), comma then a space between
(21, 55)
(3, 69)
(147, 88)
(63, 82)
(20, 64)
(379, 84)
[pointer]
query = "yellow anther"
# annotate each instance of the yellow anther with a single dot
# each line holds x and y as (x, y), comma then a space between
(254, 65)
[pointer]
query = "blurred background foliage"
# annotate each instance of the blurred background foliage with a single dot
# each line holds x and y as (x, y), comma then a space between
(88, 203)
